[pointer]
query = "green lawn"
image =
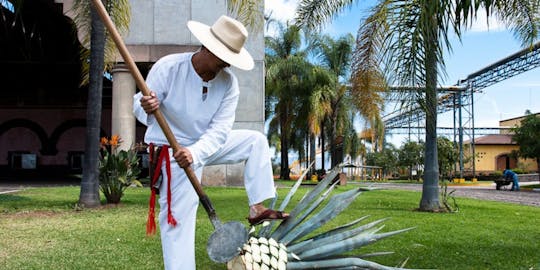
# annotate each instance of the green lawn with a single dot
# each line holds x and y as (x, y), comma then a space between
(40, 228)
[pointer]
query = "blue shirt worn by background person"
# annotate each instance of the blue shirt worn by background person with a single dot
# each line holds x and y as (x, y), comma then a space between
(510, 175)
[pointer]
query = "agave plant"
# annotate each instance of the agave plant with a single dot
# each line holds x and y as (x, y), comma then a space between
(286, 245)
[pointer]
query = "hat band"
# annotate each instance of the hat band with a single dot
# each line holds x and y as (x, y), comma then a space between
(224, 42)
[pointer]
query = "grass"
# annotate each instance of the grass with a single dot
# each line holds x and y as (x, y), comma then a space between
(40, 228)
(531, 186)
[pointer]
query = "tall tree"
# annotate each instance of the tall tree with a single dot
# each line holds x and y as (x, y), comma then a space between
(286, 68)
(409, 38)
(526, 135)
(447, 157)
(100, 51)
(321, 82)
(411, 155)
(335, 55)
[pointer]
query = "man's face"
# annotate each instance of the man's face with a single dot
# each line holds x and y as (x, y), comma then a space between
(210, 65)
(216, 64)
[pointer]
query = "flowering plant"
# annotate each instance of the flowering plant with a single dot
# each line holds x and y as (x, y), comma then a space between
(118, 169)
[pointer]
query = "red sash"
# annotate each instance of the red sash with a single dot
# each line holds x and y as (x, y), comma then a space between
(163, 156)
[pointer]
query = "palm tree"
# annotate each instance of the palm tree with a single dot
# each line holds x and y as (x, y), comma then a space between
(322, 82)
(286, 68)
(335, 55)
(409, 38)
(96, 60)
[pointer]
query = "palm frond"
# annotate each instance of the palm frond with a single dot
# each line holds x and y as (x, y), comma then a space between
(120, 14)
(335, 206)
(314, 13)
(249, 12)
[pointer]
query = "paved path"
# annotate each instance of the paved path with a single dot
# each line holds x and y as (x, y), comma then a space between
(9, 185)
(482, 192)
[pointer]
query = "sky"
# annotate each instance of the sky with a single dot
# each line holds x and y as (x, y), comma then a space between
(481, 45)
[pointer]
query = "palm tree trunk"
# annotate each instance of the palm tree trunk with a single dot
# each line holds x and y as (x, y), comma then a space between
(89, 195)
(430, 188)
(284, 137)
(538, 168)
(335, 159)
(322, 145)
(312, 153)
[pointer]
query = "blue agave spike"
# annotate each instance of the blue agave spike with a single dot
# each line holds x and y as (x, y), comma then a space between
(341, 263)
(388, 234)
(313, 246)
(330, 232)
(325, 234)
(294, 188)
(334, 237)
(265, 231)
(374, 254)
(337, 204)
(301, 206)
(310, 196)
(289, 224)
(340, 228)
(345, 245)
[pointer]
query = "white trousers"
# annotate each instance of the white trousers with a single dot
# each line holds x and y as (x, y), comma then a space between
(178, 243)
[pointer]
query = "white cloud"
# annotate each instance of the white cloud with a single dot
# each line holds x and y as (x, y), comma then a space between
(484, 24)
(280, 10)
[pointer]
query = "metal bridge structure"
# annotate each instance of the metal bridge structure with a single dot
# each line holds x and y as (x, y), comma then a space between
(459, 98)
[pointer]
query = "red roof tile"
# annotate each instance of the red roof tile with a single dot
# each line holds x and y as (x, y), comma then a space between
(495, 139)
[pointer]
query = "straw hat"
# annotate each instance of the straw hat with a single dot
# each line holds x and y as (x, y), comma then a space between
(225, 39)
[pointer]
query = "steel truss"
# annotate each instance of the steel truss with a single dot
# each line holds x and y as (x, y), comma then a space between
(459, 98)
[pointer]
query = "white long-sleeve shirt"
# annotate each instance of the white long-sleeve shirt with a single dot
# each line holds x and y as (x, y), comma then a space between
(200, 125)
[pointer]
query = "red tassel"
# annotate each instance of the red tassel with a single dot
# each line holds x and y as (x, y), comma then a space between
(151, 222)
(170, 217)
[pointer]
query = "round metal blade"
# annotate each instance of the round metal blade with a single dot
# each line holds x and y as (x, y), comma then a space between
(227, 241)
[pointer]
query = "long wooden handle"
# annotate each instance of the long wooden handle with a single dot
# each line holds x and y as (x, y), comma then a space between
(139, 80)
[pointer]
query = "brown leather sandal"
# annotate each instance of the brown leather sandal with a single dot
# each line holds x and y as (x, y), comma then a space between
(268, 214)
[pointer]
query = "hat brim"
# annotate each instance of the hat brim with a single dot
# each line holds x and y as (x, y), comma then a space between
(241, 60)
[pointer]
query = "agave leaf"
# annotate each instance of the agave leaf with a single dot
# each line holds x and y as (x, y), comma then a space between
(335, 248)
(388, 234)
(286, 226)
(294, 188)
(337, 204)
(346, 245)
(305, 202)
(320, 187)
(267, 229)
(340, 228)
(329, 237)
(375, 254)
(341, 263)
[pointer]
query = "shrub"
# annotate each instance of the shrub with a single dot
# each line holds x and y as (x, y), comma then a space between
(117, 169)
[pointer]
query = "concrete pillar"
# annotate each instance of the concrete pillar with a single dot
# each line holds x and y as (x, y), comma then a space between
(123, 121)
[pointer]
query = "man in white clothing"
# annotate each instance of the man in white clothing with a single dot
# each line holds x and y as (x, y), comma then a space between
(198, 94)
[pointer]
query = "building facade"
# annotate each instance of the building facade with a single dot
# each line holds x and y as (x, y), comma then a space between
(43, 114)
(497, 152)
